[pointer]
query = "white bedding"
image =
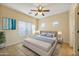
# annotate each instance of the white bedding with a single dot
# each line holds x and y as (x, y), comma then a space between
(40, 44)
(41, 47)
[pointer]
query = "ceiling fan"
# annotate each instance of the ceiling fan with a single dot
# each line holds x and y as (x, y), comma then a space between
(40, 10)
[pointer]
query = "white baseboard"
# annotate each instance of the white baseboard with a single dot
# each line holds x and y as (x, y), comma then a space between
(12, 44)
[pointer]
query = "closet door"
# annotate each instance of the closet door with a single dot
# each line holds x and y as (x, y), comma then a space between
(72, 29)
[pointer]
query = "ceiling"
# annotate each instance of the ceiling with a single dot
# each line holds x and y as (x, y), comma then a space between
(25, 8)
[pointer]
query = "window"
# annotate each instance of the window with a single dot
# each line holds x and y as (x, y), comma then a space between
(33, 28)
(25, 28)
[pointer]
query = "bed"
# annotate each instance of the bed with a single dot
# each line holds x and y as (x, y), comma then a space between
(43, 44)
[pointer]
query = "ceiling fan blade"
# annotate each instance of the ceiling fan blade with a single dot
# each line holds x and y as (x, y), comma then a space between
(34, 10)
(36, 14)
(45, 10)
(43, 14)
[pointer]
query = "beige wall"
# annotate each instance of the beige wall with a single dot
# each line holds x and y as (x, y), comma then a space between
(0, 14)
(63, 19)
(12, 35)
(0, 10)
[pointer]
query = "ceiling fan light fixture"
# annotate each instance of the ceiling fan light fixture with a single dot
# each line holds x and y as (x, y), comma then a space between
(39, 13)
(40, 10)
(40, 7)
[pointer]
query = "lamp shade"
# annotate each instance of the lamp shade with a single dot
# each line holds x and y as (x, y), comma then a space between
(59, 32)
(38, 32)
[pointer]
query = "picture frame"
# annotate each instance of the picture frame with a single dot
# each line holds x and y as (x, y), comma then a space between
(7, 23)
(1, 24)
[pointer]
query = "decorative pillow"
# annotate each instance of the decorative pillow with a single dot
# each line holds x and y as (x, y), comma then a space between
(43, 34)
(49, 35)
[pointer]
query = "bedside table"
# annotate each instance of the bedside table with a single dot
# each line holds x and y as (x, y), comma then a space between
(60, 38)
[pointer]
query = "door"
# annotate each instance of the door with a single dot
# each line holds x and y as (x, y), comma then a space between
(77, 22)
(77, 31)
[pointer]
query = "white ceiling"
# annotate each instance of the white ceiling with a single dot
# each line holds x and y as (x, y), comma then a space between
(53, 7)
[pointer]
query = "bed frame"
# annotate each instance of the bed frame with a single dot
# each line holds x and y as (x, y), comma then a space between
(40, 51)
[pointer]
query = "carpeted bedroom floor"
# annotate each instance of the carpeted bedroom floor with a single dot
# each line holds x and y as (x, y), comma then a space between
(20, 50)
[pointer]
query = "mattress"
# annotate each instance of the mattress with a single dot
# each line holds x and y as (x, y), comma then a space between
(39, 44)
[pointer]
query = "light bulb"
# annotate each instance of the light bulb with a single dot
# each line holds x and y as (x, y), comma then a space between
(40, 13)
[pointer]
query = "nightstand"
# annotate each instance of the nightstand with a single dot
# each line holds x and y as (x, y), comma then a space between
(60, 38)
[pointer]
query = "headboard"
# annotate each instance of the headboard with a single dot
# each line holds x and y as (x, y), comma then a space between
(49, 33)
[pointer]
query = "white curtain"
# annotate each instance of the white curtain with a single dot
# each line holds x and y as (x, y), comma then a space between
(33, 28)
(25, 28)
